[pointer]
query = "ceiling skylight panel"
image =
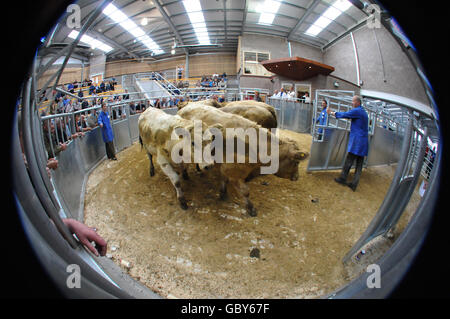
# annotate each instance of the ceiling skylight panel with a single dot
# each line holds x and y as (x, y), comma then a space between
(192, 5)
(196, 17)
(332, 13)
(328, 16)
(137, 32)
(342, 5)
(268, 10)
(118, 16)
(122, 19)
(322, 22)
(90, 41)
(266, 18)
(128, 25)
(314, 30)
(194, 11)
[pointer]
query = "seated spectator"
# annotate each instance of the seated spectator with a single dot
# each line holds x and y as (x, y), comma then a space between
(257, 97)
(132, 107)
(85, 104)
(157, 104)
(51, 144)
(70, 88)
(53, 108)
(80, 123)
(68, 108)
(91, 119)
(91, 89)
(306, 98)
(126, 96)
(86, 235)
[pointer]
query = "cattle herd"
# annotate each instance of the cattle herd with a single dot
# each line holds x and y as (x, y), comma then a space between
(212, 122)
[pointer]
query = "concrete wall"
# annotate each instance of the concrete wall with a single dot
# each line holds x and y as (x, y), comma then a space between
(319, 82)
(341, 56)
(199, 65)
(278, 47)
(70, 74)
(97, 65)
(399, 77)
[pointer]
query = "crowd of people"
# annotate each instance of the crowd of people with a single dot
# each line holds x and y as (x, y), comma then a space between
(291, 95)
(213, 81)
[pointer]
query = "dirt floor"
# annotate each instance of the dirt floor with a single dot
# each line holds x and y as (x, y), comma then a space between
(302, 231)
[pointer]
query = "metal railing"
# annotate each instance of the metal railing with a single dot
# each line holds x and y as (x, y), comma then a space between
(292, 114)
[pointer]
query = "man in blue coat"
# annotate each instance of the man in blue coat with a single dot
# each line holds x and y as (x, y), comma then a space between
(107, 133)
(322, 120)
(358, 144)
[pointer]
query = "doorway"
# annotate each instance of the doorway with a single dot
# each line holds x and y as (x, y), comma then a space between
(301, 89)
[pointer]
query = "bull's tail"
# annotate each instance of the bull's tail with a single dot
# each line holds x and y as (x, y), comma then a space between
(140, 142)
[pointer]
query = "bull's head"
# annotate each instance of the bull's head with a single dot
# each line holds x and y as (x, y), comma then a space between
(289, 161)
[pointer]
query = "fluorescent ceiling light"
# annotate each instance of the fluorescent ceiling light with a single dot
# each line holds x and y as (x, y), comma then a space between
(268, 10)
(336, 9)
(194, 11)
(94, 43)
(121, 18)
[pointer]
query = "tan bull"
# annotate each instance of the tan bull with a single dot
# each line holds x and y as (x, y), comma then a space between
(236, 173)
(210, 102)
(156, 129)
(258, 112)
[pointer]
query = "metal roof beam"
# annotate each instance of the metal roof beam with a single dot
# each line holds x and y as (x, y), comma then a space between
(114, 43)
(245, 16)
(170, 23)
(225, 17)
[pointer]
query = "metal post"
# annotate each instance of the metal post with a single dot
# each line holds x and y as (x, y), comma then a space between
(186, 67)
(71, 47)
(356, 59)
(36, 172)
(373, 229)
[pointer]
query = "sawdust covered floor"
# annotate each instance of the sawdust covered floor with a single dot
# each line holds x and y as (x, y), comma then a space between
(302, 231)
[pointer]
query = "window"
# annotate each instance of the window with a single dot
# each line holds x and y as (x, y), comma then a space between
(252, 63)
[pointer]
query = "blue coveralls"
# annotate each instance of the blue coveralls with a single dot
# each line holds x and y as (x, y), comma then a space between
(358, 144)
(322, 120)
(107, 132)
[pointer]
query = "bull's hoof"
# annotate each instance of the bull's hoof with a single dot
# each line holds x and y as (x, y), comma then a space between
(152, 172)
(252, 211)
(183, 203)
(185, 176)
(223, 195)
